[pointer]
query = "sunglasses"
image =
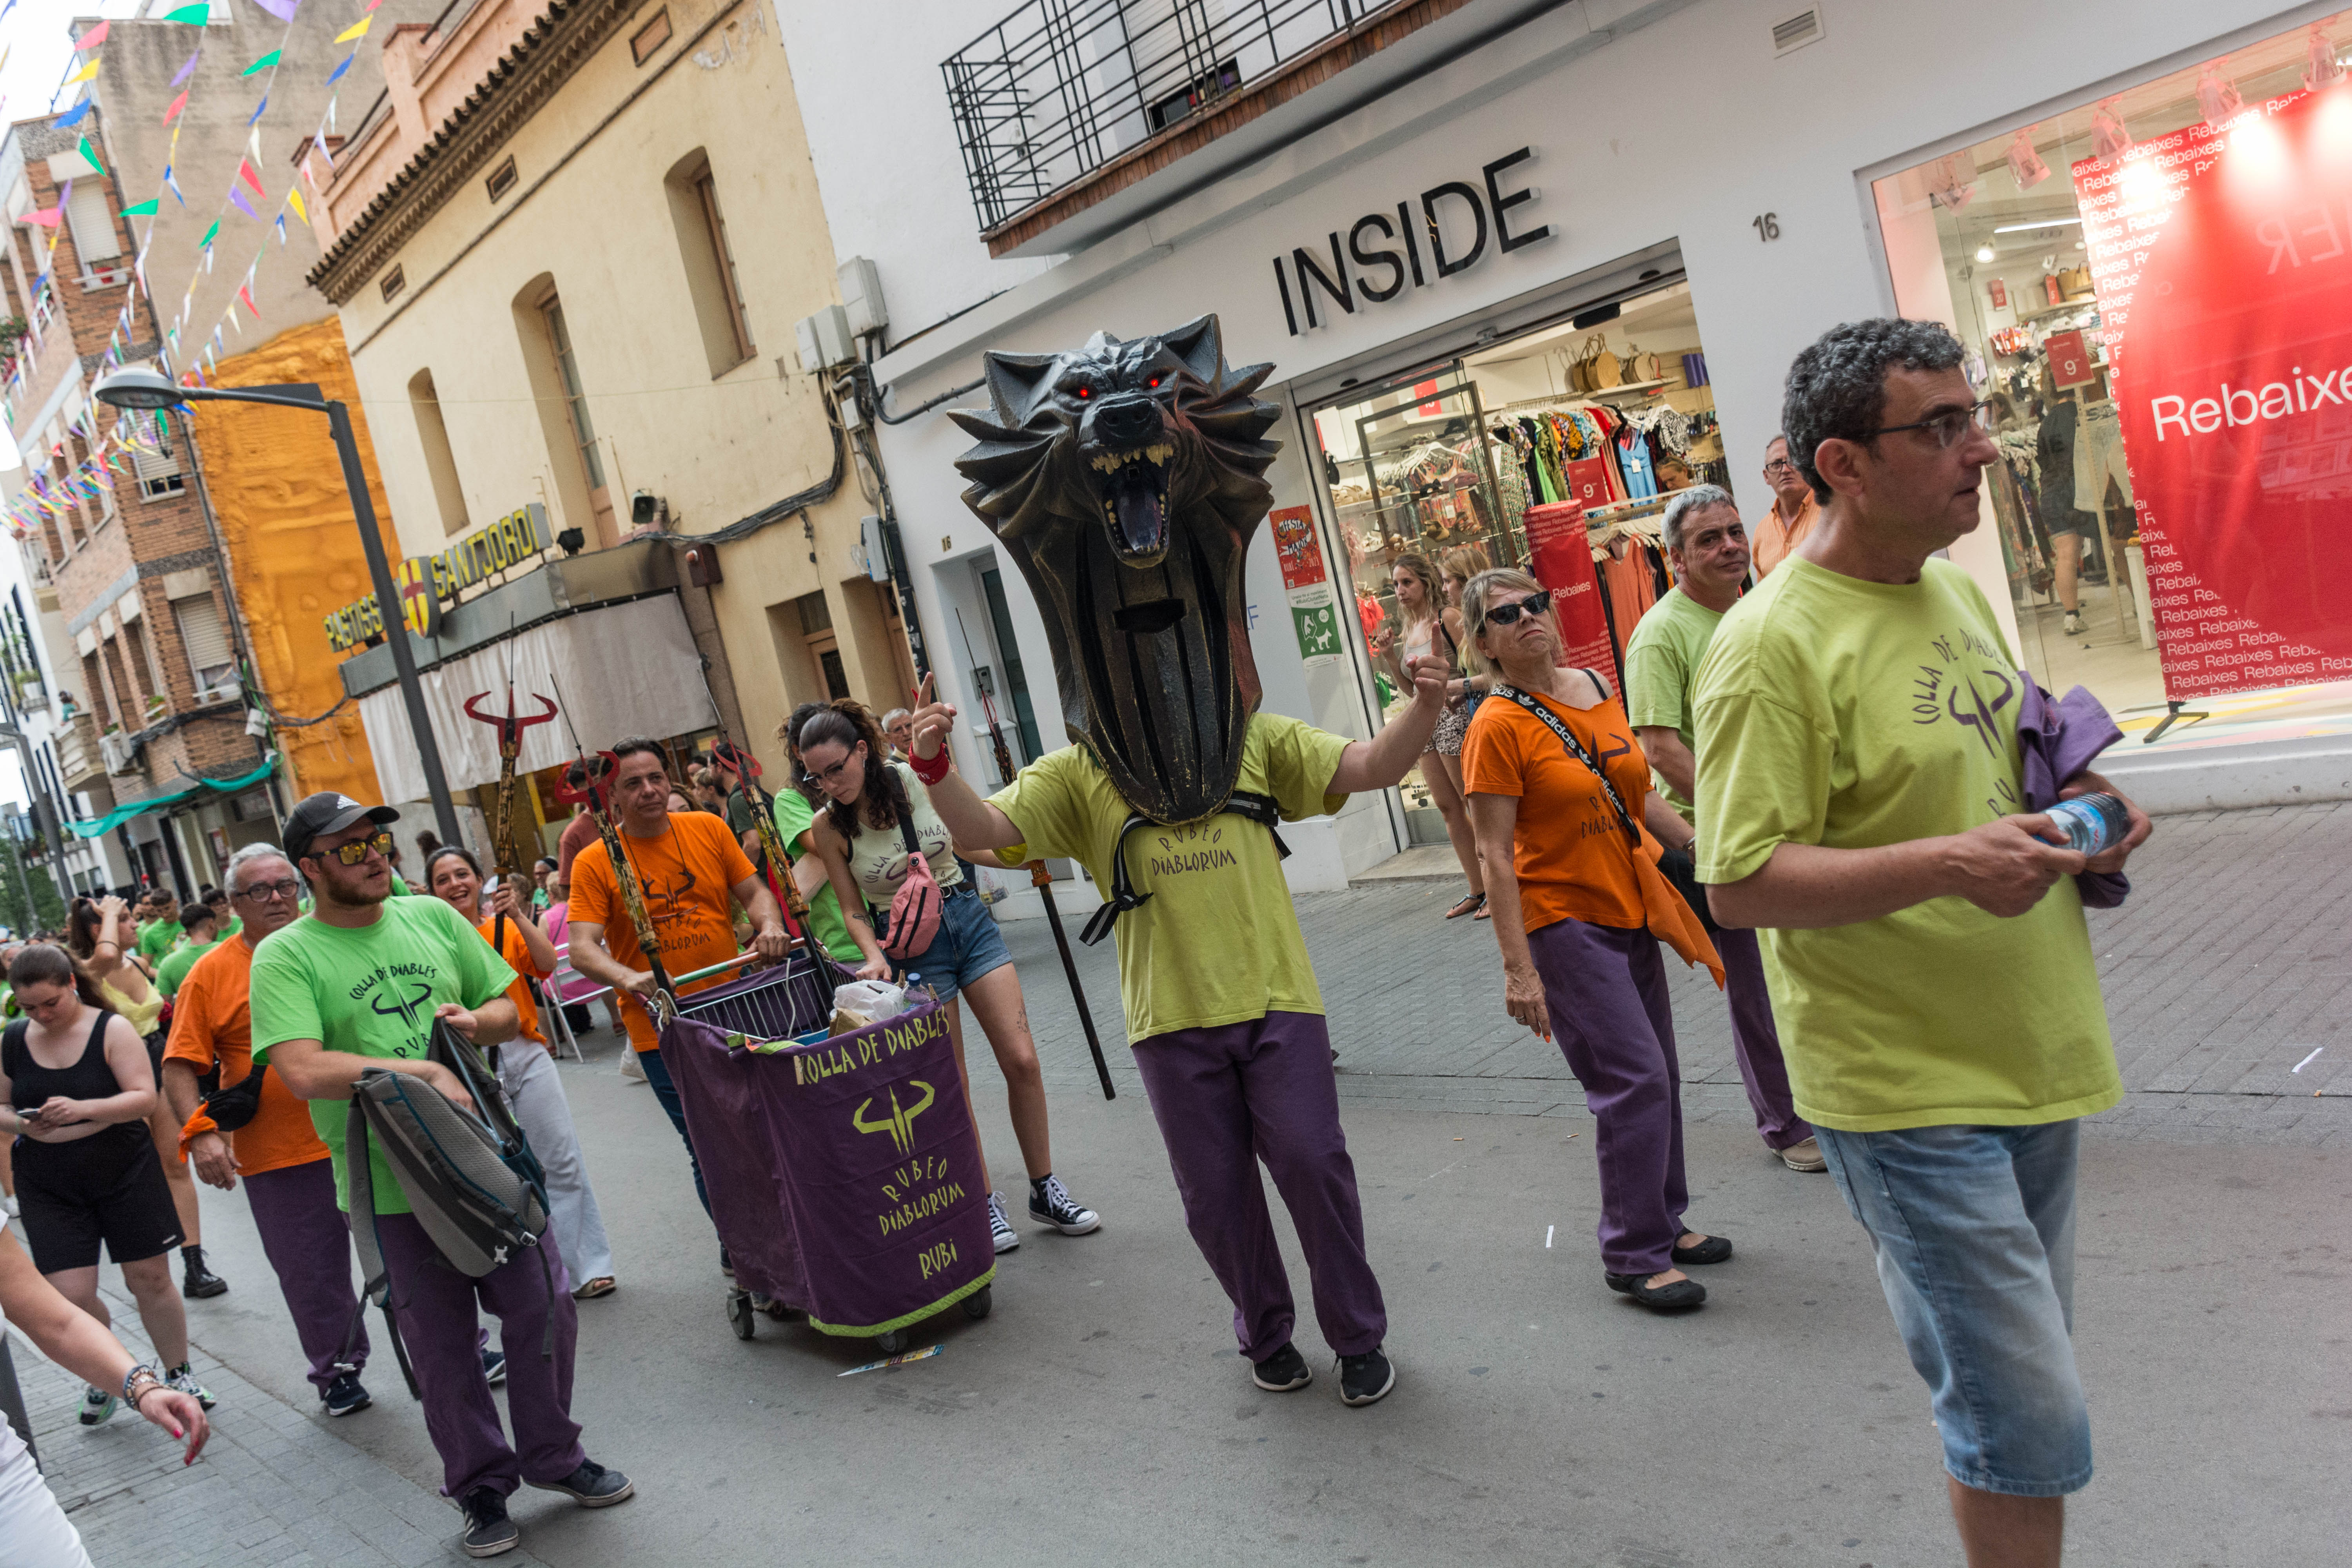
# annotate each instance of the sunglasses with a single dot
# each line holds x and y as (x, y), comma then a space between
(354, 852)
(1508, 614)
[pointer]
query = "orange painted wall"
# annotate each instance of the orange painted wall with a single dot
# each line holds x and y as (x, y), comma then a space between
(293, 547)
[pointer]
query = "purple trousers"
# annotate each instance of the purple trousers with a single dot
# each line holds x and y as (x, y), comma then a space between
(307, 1241)
(1606, 992)
(435, 1306)
(1757, 1043)
(1227, 1097)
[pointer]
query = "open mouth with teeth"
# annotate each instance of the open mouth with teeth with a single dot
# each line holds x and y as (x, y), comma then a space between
(1132, 486)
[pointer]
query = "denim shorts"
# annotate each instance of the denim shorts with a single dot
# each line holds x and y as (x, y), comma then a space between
(1974, 1229)
(968, 945)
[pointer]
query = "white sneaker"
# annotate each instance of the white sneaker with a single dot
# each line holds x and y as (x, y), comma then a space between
(10, 1203)
(631, 1068)
(2073, 625)
(1000, 1224)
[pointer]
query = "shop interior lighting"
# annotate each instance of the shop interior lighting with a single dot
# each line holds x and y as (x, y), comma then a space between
(2045, 223)
(1985, 251)
(2217, 95)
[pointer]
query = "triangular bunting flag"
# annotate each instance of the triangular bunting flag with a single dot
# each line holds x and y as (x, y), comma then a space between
(244, 292)
(257, 110)
(87, 73)
(46, 217)
(144, 209)
(206, 243)
(73, 117)
(190, 15)
(178, 104)
(294, 200)
(188, 67)
(263, 64)
(338, 73)
(245, 172)
(97, 36)
(356, 30)
(238, 197)
(90, 155)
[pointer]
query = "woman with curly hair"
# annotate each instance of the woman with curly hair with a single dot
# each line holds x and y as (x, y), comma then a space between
(872, 804)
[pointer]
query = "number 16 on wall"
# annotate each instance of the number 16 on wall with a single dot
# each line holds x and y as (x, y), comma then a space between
(1766, 227)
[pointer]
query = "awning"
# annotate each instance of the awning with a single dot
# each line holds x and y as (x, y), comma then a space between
(629, 670)
(198, 790)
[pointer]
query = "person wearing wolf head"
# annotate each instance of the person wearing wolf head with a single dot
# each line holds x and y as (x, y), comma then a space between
(1126, 480)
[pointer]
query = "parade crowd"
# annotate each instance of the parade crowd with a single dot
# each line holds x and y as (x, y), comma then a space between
(1826, 785)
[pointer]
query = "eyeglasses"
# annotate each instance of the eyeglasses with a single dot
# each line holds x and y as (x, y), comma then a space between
(1508, 614)
(1948, 426)
(263, 892)
(1779, 465)
(354, 852)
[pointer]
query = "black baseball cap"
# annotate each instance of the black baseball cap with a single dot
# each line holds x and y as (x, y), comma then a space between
(328, 812)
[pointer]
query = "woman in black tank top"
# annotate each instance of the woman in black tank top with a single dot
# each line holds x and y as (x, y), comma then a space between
(79, 1087)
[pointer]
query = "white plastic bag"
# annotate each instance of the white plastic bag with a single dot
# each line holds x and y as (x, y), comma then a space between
(875, 999)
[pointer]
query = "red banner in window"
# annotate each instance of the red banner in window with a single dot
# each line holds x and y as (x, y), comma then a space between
(1561, 555)
(2223, 265)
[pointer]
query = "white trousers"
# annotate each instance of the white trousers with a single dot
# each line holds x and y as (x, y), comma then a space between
(535, 1089)
(34, 1531)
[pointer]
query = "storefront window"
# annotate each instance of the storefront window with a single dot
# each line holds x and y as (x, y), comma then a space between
(1442, 464)
(2124, 274)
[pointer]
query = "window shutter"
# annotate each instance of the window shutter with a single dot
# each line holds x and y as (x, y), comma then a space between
(159, 472)
(205, 638)
(94, 233)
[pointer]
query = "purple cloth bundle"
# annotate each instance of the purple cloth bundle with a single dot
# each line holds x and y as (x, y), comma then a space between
(843, 1175)
(2056, 739)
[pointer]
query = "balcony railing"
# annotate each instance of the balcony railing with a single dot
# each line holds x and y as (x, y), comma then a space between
(1061, 88)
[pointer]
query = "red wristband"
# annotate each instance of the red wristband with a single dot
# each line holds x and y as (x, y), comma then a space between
(930, 772)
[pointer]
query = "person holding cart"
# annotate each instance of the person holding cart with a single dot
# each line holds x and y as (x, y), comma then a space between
(683, 866)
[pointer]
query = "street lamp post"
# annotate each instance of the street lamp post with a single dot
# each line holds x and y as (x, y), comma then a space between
(149, 390)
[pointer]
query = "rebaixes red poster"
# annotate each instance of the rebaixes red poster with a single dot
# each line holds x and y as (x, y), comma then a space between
(1561, 558)
(2223, 265)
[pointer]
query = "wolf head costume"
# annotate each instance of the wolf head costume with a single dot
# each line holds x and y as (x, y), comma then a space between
(1127, 479)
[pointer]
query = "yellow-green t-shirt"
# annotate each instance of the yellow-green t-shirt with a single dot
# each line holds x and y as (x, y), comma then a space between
(1661, 666)
(370, 991)
(1218, 940)
(1853, 714)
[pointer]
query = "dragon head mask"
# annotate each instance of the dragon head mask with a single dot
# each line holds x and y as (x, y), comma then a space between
(1126, 479)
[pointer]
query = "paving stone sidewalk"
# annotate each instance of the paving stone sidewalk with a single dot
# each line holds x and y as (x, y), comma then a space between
(2230, 962)
(275, 1487)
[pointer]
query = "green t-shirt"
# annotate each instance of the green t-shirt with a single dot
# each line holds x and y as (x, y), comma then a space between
(794, 815)
(178, 961)
(1218, 943)
(157, 938)
(1853, 714)
(739, 813)
(1661, 665)
(371, 992)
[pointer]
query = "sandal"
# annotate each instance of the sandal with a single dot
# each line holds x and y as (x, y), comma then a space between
(1483, 913)
(1469, 903)
(602, 1285)
(1710, 1249)
(1674, 1298)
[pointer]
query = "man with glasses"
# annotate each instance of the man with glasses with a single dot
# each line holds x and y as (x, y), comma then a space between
(359, 984)
(1791, 515)
(289, 1182)
(1859, 778)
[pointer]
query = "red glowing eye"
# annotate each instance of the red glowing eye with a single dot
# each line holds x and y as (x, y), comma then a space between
(1086, 392)
(1155, 381)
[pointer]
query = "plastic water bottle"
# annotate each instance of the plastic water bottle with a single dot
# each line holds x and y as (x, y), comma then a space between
(2092, 822)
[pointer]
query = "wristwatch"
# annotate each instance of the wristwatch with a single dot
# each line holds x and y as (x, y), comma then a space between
(138, 1382)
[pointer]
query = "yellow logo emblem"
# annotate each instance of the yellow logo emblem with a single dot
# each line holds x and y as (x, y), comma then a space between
(900, 1124)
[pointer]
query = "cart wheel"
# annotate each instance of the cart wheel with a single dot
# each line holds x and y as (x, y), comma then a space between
(739, 1314)
(892, 1342)
(976, 1305)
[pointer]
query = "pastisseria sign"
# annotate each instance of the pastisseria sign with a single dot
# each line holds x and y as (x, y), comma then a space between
(427, 582)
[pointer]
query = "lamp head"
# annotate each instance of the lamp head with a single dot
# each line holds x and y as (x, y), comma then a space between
(139, 388)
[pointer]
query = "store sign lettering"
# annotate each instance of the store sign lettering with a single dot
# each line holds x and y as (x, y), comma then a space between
(513, 539)
(1381, 255)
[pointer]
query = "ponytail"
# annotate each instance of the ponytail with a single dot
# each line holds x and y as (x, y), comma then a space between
(883, 798)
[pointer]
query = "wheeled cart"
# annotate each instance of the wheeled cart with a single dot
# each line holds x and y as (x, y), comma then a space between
(844, 1176)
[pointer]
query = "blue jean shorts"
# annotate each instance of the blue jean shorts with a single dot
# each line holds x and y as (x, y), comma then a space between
(968, 945)
(1974, 1229)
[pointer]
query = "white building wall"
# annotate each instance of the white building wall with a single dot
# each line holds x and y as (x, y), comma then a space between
(1677, 132)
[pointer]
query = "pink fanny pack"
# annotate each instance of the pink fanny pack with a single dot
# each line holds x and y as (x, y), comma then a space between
(916, 908)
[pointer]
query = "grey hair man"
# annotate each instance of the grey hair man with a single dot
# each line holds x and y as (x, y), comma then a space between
(1708, 546)
(1782, 526)
(289, 1179)
(899, 729)
(1931, 971)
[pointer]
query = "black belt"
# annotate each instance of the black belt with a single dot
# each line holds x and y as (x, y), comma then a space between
(1262, 809)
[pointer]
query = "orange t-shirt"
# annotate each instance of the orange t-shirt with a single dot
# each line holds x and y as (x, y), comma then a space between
(1569, 850)
(1770, 540)
(212, 1019)
(516, 952)
(686, 877)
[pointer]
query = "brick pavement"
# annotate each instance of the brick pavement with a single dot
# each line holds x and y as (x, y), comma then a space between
(275, 1487)
(2231, 960)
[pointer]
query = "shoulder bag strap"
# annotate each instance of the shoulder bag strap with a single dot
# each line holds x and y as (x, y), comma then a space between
(375, 1281)
(1576, 749)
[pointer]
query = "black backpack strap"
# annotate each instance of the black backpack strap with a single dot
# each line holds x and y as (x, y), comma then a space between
(1262, 809)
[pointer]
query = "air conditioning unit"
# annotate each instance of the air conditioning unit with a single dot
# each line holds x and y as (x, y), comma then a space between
(116, 752)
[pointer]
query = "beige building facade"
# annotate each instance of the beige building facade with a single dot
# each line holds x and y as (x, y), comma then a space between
(568, 249)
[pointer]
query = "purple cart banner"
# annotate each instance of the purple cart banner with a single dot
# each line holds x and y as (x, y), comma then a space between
(842, 1175)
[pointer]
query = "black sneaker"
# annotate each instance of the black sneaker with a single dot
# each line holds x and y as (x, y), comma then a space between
(593, 1485)
(344, 1395)
(494, 1366)
(1365, 1379)
(97, 1407)
(1050, 1204)
(199, 1282)
(1284, 1371)
(488, 1531)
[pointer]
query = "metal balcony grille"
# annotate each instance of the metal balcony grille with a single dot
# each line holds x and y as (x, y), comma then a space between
(1060, 88)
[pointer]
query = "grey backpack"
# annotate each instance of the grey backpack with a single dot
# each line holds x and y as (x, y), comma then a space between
(469, 1176)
